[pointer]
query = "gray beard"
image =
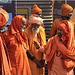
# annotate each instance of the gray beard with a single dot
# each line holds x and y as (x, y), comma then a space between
(35, 32)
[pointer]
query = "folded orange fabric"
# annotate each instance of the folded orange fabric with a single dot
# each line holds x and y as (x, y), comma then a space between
(3, 17)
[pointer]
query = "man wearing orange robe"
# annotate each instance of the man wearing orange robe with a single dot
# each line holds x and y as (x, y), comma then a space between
(15, 42)
(36, 11)
(66, 13)
(4, 62)
(60, 51)
(33, 34)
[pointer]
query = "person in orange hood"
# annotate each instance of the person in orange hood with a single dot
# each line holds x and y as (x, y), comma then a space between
(60, 51)
(4, 61)
(15, 42)
(36, 11)
(32, 33)
(66, 13)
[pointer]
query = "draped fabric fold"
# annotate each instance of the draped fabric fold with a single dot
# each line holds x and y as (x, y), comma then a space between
(15, 42)
(67, 50)
(4, 61)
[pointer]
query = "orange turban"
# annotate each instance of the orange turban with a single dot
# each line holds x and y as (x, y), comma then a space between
(3, 17)
(36, 9)
(65, 9)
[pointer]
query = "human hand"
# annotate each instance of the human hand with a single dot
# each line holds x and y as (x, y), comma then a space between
(40, 64)
(36, 45)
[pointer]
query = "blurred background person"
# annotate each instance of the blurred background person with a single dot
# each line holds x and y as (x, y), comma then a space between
(4, 60)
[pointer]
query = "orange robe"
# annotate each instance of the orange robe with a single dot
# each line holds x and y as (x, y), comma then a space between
(55, 64)
(5, 69)
(16, 47)
(41, 39)
(17, 55)
(56, 24)
(57, 51)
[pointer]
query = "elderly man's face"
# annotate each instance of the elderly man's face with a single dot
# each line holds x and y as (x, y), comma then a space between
(23, 24)
(60, 33)
(35, 26)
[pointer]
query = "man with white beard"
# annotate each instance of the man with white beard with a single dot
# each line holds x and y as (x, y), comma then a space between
(35, 29)
(35, 32)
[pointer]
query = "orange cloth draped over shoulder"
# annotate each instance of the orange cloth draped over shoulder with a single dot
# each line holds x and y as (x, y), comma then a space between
(54, 43)
(15, 42)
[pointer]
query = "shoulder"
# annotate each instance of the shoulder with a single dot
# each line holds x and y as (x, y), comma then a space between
(72, 20)
(42, 29)
(58, 20)
(52, 38)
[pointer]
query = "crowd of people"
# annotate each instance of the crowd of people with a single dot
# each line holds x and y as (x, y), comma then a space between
(23, 47)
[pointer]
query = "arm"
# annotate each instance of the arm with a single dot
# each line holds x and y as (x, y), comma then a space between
(40, 64)
(53, 30)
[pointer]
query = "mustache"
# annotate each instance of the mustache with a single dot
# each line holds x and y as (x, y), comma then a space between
(35, 30)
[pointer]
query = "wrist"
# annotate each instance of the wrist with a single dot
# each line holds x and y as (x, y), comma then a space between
(35, 60)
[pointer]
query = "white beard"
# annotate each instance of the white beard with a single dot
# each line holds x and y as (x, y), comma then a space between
(22, 29)
(35, 32)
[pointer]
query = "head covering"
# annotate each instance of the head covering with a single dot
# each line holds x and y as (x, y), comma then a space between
(64, 26)
(3, 17)
(68, 38)
(36, 9)
(15, 25)
(34, 19)
(15, 28)
(65, 9)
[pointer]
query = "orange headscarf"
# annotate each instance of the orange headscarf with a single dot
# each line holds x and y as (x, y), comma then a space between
(36, 9)
(15, 28)
(65, 9)
(3, 17)
(69, 34)
(65, 28)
